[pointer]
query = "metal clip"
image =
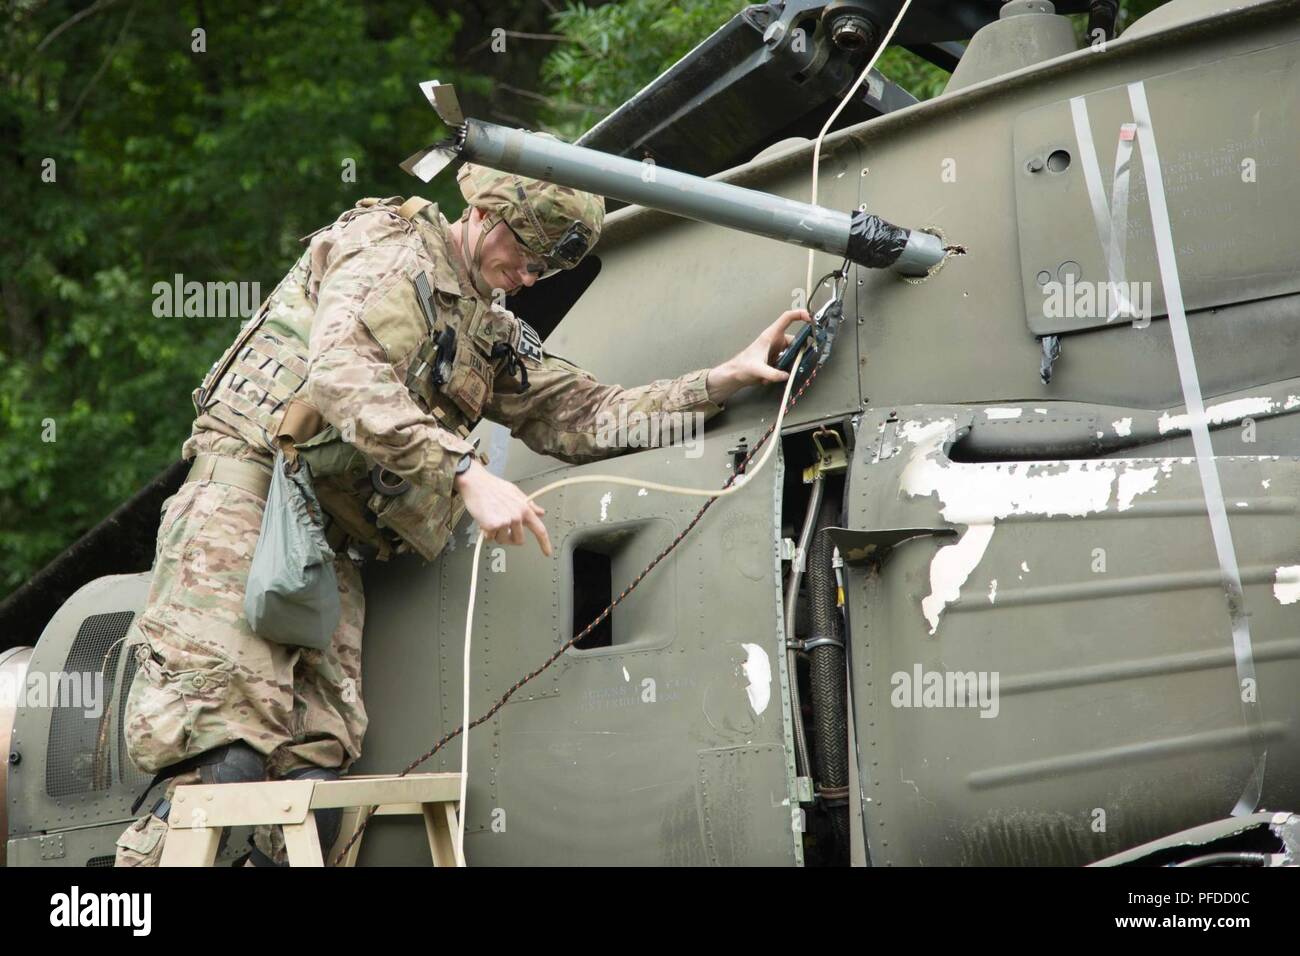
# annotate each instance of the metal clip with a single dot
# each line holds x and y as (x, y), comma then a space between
(829, 462)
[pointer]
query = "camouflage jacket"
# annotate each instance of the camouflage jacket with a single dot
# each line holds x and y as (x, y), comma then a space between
(355, 330)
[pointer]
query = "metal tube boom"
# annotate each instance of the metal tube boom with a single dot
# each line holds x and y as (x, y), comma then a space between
(692, 197)
(857, 236)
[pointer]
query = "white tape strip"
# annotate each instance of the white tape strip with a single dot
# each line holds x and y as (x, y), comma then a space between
(1119, 300)
(1111, 218)
(1205, 461)
(1091, 171)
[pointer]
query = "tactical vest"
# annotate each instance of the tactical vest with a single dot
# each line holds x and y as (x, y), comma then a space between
(257, 389)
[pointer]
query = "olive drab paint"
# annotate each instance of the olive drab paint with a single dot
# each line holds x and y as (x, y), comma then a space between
(1052, 536)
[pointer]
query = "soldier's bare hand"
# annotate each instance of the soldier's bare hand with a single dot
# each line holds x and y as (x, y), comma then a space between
(502, 511)
(756, 363)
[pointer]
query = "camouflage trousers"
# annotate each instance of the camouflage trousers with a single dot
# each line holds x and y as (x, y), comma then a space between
(205, 679)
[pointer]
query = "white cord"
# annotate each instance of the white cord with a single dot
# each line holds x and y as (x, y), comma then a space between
(817, 147)
(740, 481)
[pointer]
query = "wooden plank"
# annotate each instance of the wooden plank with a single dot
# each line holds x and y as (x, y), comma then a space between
(442, 840)
(302, 843)
(453, 825)
(415, 788)
(241, 804)
(190, 847)
(399, 809)
(352, 817)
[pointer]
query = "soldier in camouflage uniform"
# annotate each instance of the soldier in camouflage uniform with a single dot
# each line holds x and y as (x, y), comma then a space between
(370, 361)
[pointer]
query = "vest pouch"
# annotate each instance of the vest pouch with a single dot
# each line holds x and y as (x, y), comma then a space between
(471, 379)
(330, 456)
(264, 369)
(424, 520)
(293, 594)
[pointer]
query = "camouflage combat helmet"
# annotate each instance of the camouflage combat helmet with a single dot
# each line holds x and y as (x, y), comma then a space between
(559, 225)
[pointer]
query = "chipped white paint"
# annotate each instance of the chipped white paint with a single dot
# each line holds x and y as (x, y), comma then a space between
(1136, 481)
(626, 675)
(758, 671)
(995, 413)
(1266, 482)
(1242, 504)
(951, 567)
(1040, 411)
(1286, 584)
(641, 493)
(1218, 414)
(993, 591)
(605, 499)
(1123, 427)
(979, 494)
(1291, 402)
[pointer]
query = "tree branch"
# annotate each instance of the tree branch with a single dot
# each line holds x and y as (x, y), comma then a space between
(98, 7)
(112, 50)
(553, 103)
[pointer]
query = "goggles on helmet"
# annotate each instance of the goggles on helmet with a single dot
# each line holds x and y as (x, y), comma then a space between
(565, 253)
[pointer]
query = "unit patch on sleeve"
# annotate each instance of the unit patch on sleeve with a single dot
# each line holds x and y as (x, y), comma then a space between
(530, 343)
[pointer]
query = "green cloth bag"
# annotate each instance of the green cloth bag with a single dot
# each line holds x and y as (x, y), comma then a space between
(293, 594)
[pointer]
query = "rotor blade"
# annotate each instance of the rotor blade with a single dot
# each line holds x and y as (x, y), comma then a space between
(442, 97)
(430, 161)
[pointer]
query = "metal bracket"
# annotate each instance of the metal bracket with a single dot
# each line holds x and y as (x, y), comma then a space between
(887, 445)
(830, 461)
(738, 454)
(861, 546)
(812, 642)
(52, 847)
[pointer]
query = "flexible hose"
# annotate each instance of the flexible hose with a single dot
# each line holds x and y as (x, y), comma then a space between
(802, 764)
(827, 674)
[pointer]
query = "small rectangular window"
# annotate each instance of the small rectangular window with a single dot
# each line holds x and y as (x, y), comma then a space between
(592, 593)
(604, 560)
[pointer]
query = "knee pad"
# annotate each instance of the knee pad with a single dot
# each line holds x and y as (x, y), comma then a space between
(232, 763)
(328, 822)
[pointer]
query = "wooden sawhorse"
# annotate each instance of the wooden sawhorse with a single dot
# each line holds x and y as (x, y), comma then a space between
(200, 813)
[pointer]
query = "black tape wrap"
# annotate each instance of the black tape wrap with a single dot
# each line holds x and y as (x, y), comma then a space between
(873, 242)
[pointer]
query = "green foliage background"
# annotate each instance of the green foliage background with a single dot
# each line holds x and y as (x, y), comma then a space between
(211, 164)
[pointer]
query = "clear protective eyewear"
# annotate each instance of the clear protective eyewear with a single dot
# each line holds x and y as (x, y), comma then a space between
(565, 253)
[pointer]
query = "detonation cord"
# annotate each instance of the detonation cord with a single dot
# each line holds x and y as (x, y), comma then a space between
(739, 478)
(733, 484)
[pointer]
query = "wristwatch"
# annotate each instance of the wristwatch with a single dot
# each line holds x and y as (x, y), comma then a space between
(466, 460)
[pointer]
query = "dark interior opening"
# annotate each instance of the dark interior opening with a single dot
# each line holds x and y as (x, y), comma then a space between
(592, 593)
